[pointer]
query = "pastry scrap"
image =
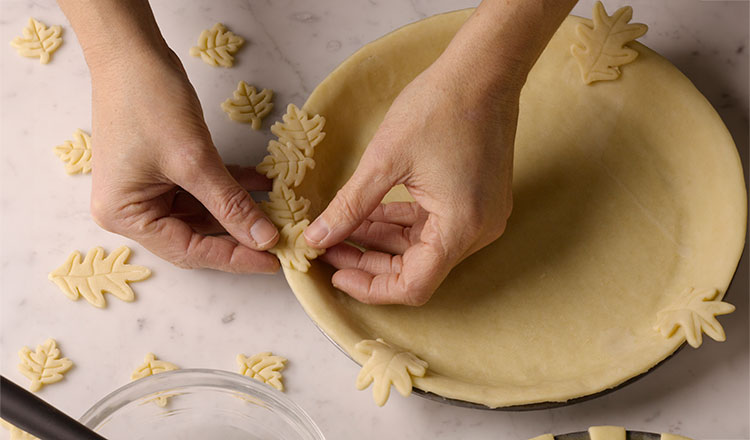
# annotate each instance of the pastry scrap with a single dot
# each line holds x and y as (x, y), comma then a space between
(694, 313)
(16, 433)
(150, 367)
(43, 366)
(76, 153)
(97, 274)
(264, 367)
(287, 164)
(38, 41)
(248, 105)
(217, 45)
(387, 365)
(284, 207)
(602, 48)
(304, 132)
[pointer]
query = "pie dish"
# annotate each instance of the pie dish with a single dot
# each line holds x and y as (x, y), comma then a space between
(629, 207)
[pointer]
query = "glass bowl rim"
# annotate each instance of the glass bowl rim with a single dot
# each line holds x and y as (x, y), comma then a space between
(200, 377)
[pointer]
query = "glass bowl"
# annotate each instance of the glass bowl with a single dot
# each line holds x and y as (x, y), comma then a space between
(199, 404)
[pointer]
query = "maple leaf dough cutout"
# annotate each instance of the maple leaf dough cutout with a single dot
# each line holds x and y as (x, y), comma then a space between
(292, 249)
(602, 48)
(216, 46)
(284, 207)
(286, 162)
(387, 365)
(248, 105)
(264, 367)
(16, 433)
(152, 366)
(694, 313)
(43, 366)
(38, 41)
(297, 128)
(95, 275)
(76, 153)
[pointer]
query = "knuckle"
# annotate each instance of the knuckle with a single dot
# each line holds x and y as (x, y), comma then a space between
(235, 205)
(102, 216)
(347, 207)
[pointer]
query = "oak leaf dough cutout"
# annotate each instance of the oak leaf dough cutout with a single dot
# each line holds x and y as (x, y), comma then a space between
(38, 41)
(95, 275)
(602, 49)
(15, 433)
(248, 105)
(152, 366)
(264, 367)
(387, 365)
(285, 162)
(217, 45)
(694, 313)
(292, 249)
(299, 129)
(43, 366)
(283, 207)
(76, 153)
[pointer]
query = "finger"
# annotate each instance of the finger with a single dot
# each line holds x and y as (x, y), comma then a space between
(385, 237)
(354, 202)
(176, 242)
(210, 182)
(422, 270)
(250, 179)
(401, 213)
(343, 256)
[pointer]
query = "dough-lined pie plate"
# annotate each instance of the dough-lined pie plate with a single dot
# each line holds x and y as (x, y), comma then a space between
(628, 196)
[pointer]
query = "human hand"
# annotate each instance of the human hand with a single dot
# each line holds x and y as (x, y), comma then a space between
(451, 144)
(158, 179)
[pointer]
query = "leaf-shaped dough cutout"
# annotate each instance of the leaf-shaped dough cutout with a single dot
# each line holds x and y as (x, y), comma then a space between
(16, 433)
(76, 153)
(694, 313)
(283, 206)
(43, 366)
(248, 105)
(38, 41)
(286, 162)
(264, 367)
(297, 128)
(292, 249)
(602, 48)
(152, 366)
(216, 46)
(95, 275)
(387, 365)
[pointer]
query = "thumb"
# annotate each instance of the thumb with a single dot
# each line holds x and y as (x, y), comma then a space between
(213, 185)
(353, 203)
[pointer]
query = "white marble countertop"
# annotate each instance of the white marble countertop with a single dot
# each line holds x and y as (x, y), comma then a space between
(204, 318)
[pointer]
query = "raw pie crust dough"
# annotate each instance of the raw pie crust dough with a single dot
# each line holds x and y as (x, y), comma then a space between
(626, 193)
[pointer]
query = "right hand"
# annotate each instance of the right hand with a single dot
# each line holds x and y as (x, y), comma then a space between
(159, 180)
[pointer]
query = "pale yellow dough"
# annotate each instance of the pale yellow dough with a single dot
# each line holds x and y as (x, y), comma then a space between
(216, 46)
(610, 433)
(96, 275)
(43, 366)
(15, 433)
(264, 367)
(151, 366)
(38, 41)
(77, 154)
(626, 193)
(248, 105)
(387, 365)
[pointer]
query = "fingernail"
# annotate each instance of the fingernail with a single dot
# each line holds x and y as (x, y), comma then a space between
(317, 231)
(263, 232)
